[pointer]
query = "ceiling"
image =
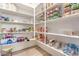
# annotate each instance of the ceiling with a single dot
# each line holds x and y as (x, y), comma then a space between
(33, 5)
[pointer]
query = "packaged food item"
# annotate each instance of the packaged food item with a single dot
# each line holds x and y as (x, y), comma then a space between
(14, 39)
(61, 45)
(52, 42)
(6, 19)
(14, 30)
(2, 18)
(8, 36)
(71, 49)
(3, 41)
(54, 15)
(20, 39)
(53, 12)
(67, 9)
(41, 37)
(27, 39)
(56, 45)
(75, 8)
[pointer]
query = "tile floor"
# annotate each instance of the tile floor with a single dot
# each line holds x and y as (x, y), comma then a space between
(33, 51)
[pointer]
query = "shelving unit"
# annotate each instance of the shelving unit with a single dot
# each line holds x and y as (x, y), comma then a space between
(18, 23)
(18, 19)
(15, 32)
(51, 23)
(58, 28)
(63, 35)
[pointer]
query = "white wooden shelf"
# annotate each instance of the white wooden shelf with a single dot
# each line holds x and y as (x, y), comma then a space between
(16, 32)
(59, 51)
(19, 23)
(16, 13)
(63, 35)
(21, 45)
(65, 18)
(16, 42)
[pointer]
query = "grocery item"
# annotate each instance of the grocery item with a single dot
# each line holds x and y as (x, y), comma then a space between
(55, 15)
(9, 41)
(27, 39)
(20, 39)
(3, 18)
(30, 29)
(67, 9)
(67, 5)
(61, 45)
(3, 41)
(8, 36)
(15, 29)
(41, 37)
(3, 29)
(71, 49)
(52, 42)
(6, 19)
(75, 8)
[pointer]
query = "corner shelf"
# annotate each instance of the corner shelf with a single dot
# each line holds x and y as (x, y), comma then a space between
(57, 50)
(21, 45)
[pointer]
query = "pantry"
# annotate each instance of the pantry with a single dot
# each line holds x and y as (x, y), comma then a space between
(52, 27)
